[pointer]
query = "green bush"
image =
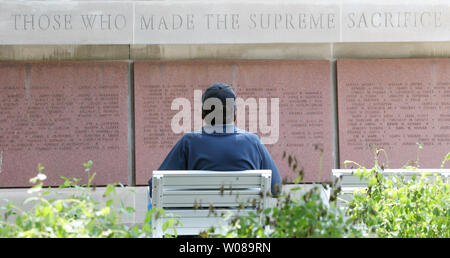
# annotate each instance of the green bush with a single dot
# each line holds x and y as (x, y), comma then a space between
(389, 207)
(77, 216)
(307, 216)
(396, 206)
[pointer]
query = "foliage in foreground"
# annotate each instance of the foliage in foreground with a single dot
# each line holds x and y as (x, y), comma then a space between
(307, 216)
(397, 206)
(76, 216)
(393, 206)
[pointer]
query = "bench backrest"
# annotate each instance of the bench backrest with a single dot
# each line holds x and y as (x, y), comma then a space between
(350, 183)
(198, 198)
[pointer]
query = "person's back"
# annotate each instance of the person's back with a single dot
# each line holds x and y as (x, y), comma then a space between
(218, 146)
(232, 149)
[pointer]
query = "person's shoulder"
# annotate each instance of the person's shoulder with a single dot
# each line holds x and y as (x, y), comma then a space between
(249, 135)
(190, 135)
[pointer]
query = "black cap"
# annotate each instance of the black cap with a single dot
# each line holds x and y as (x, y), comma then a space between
(219, 90)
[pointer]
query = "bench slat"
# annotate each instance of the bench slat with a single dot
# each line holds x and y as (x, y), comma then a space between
(195, 213)
(212, 173)
(204, 221)
(216, 181)
(207, 198)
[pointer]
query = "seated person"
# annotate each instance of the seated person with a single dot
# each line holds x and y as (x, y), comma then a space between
(220, 146)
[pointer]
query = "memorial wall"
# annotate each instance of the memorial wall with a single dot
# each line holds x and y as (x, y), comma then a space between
(299, 90)
(125, 115)
(399, 105)
(62, 114)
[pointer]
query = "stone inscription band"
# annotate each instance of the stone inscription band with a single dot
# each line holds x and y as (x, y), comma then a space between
(209, 22)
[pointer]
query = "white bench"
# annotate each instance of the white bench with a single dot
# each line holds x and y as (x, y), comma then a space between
(198, 198)
(349, 183)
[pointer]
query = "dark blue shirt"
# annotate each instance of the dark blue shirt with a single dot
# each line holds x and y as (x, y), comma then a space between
(221, 148)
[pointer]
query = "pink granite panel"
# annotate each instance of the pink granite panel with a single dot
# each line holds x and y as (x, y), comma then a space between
(302, 87)
(62, 114)
(394, 104)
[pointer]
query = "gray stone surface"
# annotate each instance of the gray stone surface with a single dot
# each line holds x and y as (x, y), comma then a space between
(63, 52)
(305, 51)
(391, 50)
(394, 21)
(223, 22)
(68, 22)
(231, 51)
(166, 22)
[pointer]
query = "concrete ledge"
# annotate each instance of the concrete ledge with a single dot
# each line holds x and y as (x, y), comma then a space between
(232, 51)
(135, 197)
(391, 50)
(286, 51)
(63, 52)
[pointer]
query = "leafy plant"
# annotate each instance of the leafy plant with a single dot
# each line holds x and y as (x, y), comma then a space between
(76, 216)
(396, 206)
(304, 217)
(307, 216)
